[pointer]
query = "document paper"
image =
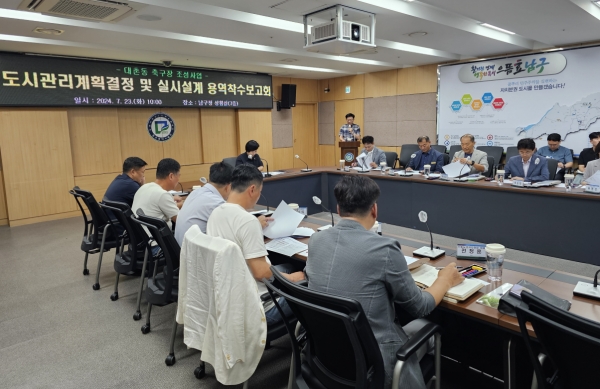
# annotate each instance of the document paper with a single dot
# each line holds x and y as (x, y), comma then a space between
(286, 246)
(456, 169)
(285, 222)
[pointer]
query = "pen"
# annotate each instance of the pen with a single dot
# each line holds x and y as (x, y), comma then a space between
(440, 268)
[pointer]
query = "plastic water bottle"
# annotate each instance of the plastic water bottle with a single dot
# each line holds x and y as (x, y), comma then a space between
(569, 182)
(500, 177)
(495, 253)
(383, 167)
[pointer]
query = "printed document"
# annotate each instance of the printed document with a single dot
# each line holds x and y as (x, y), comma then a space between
(284, 223)
(456, 169)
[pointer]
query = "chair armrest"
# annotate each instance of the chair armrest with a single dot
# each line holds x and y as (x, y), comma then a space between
(417, 340)
(302, 283)
(266, 296)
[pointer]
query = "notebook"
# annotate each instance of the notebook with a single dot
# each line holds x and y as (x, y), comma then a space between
(425, 275)
(414, 263)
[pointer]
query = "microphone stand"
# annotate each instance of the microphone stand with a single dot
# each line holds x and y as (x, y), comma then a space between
(429, 252)
(267, 174)
(331, 213)
(266, 201)
(307, 169)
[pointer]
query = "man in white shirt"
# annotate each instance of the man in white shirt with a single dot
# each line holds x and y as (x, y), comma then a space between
(233, 222)
(201, 202)
(155, 200)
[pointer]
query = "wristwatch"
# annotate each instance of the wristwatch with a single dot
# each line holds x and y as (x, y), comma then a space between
(472, 163)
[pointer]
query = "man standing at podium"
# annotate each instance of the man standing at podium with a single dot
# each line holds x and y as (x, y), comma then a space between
(349, 132)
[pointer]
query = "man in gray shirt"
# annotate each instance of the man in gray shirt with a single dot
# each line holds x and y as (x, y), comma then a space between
(201, 202)
(351, 261)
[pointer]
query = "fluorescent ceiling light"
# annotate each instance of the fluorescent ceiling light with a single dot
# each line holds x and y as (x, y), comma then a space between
(497, 28)
(596, 3)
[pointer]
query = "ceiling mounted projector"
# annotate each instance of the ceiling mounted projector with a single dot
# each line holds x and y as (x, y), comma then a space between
(339, 30)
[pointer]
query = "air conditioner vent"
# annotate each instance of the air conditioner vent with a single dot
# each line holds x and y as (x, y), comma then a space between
(97, 10)
(324, 31)
(82, 10)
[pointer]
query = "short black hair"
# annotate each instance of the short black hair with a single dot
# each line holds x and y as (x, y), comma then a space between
(356, 195)
(368, 139)
(167, 166)
(423, 138)
(348, 115)
(134, 163)
(596, 149)
(220, 173)
(245, 175)
(526, 143)
(252, 145)
(594, 135)
(554, 137)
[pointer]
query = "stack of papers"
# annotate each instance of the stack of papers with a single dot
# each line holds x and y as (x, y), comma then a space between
(285, 221)
(286, 246)
(456, 169)
(414, 263)
(426, 275)
(273, 173)
(404, 173)
(303, 232)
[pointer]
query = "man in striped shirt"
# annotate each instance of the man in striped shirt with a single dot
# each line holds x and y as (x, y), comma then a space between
(349, 132)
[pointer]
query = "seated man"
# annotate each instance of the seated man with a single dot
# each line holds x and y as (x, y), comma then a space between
(201, 202)
(588, 154)
(374, 156)
(476, 159)
(155, 200)
(426, 156)
(250, 157)
(527, 166)
(233, 222)
(555, 151)
(592, 166)
(349, 260)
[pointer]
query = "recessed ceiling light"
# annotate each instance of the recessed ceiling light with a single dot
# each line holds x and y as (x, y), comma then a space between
(288, 60)
(417, 33)
(48, 31)
(149, 18)
(496, 28)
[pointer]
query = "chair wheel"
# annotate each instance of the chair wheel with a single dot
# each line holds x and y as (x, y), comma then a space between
(170, 360)
(96, 286)
(137, 316)
(114, 296)
(86, 272)
(200, 372)
(145, 329)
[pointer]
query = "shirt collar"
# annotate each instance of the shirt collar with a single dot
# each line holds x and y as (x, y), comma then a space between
(350, 224)
(211, 188)
(524, 163)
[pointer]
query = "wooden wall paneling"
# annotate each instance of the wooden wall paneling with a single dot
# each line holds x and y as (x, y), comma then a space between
(380, 84)
(219, 134)
(305, 127)
(327, 83)
(3, 212)
(341, 109)
(256, 124)
(283, 158)
(186, 144)
(97, 183)
(307, 91)
(194, 172)
(420, 79)
(276, 86)
(150, 174)
(327, 155)
(95, 140)
(416, 107)
(135, 140)
(36, 161)
(356, 84)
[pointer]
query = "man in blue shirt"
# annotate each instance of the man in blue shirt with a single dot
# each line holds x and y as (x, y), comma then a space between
(349, 132)
(426, 156)
(201, 202)
(555, 151)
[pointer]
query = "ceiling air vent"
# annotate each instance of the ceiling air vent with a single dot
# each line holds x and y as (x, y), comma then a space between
(97, 10)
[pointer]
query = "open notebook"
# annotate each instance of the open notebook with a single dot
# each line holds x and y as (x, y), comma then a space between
(425, 275)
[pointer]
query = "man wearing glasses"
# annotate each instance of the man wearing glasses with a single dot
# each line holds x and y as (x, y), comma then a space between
(527, 166)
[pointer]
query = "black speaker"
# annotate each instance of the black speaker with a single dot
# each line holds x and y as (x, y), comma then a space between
(288, 95)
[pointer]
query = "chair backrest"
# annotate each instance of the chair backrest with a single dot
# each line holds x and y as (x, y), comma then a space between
(453, 150)
(163, 236)
(570, 342)
(440, 148)
(405, 152)
(490, 171)
(446, 159)
(511, 151)
(138, 239)
(99, 220)
(552, 167)
(342, 351)
(390, 158)
(494, 151)
(230, 161)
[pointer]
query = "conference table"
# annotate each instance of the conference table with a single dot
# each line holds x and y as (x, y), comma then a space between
(547, 220)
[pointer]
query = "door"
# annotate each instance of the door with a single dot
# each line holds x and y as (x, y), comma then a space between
(304, 124)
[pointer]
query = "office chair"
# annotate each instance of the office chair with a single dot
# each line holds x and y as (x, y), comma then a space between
(99, 234)
(571, 344)
(390, 158)
(552, 167)
(162, 289)
(341, 350)
(440, 148)
(230, 161)
(446, 159)
(453, 149)
(405, 152)
(511, 151)
(494, 151)
(490, 171)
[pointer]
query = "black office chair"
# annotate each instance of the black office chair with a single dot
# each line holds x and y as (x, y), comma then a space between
(440, 148)
(511, 151)
(162, 289)
(494, 151)
(405, 152)
(99, 235)
(134, 260)
(552, 167)
(341, 350)
(390, 158)
(230, 161)
(490, 171)
(570, 342)
(446, 159)
(453, 150)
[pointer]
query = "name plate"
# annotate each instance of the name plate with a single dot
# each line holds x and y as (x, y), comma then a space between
(592, 189)
(472, 251)
(518, 183)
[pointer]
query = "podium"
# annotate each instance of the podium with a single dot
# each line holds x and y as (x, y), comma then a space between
(349, 152)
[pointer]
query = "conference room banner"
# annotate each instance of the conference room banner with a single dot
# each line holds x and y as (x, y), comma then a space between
(503, 100)
(32, 80)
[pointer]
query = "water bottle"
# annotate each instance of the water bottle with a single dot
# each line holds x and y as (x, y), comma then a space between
(427, 170)
(342, 163)
(383, 166)
(500, 177)
(569, 182)
(495, 259)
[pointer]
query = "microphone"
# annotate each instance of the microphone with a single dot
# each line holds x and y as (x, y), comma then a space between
(303, 170)
(318, 202)
(203, 180)
(412, 156)
(266, 201)
(461, 169)
(425, 251)
(267, 174)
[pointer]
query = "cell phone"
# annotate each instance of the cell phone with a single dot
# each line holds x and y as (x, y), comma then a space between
(517, 289)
